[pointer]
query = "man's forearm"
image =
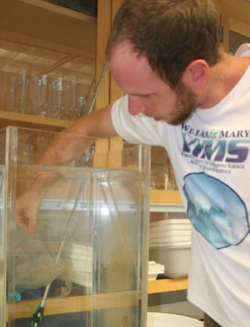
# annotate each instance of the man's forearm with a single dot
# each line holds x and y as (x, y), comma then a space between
(73, 141)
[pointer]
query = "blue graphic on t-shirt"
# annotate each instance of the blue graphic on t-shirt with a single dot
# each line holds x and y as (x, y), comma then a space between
(216, 210)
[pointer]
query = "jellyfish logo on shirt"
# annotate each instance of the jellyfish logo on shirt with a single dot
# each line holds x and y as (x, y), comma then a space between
(216, 210)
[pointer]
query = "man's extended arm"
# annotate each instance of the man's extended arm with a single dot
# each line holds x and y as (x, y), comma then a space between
(66, 147)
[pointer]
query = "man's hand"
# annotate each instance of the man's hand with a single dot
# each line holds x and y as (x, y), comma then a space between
(27, 209)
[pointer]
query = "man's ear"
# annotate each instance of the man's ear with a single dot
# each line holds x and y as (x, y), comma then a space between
(195, 75)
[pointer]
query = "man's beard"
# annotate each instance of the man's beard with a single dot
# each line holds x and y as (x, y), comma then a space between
(186, 104)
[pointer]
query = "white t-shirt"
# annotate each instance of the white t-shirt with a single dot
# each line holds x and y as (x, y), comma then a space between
(211, 159)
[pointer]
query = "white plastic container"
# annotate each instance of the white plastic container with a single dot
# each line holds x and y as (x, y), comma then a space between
(154, 269)
(157, 319)
(175, 258)
(169, 232)
(172, 239)
(171, 222)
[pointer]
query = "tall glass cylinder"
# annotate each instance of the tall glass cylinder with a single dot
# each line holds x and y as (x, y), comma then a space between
(42, 108)
(23, 104)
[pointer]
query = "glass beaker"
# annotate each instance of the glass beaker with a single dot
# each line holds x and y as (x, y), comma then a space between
(170, 181)
(42, 105)
(23, 102)
(78, 110)
(58, 110)
(2, 100)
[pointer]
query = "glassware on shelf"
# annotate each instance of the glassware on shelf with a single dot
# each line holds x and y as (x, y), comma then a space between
(58, 110)
(42, 108)
(170, 182)
(81, 105)
(59, 99)
(73, 102)
(69, 97)
(158, 176)
(78, 109)
(158, 155)
(12, 93)
(75, 106)
(2, 100)
(162, 172)
(23, 87)
(52, 98)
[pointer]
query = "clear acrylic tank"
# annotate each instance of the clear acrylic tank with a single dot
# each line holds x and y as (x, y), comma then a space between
(86, 263)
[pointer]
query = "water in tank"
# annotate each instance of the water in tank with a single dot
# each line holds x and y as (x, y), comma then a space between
(86, 262)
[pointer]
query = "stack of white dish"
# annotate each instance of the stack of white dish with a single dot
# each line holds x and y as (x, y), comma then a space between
(81, 261)
(169, 244)
(154, 269)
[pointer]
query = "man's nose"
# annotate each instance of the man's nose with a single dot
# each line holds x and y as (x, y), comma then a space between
(135, 105)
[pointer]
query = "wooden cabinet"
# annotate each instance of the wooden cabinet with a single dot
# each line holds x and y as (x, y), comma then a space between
(234, 16)
(47, 39)
(41, 38)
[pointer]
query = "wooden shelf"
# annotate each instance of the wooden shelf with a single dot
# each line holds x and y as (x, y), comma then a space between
(75, 304)
(167, 285)
(82, 303)
(45, 21)
(8, 118)
(238, 10)
(164, 196)
(165, 201)
(44, 38)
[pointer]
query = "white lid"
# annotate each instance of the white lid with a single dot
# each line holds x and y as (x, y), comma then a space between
(180, 245)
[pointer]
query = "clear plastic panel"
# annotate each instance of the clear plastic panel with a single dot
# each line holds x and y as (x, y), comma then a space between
(2, 232)
(86, 263)
(2, 249)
